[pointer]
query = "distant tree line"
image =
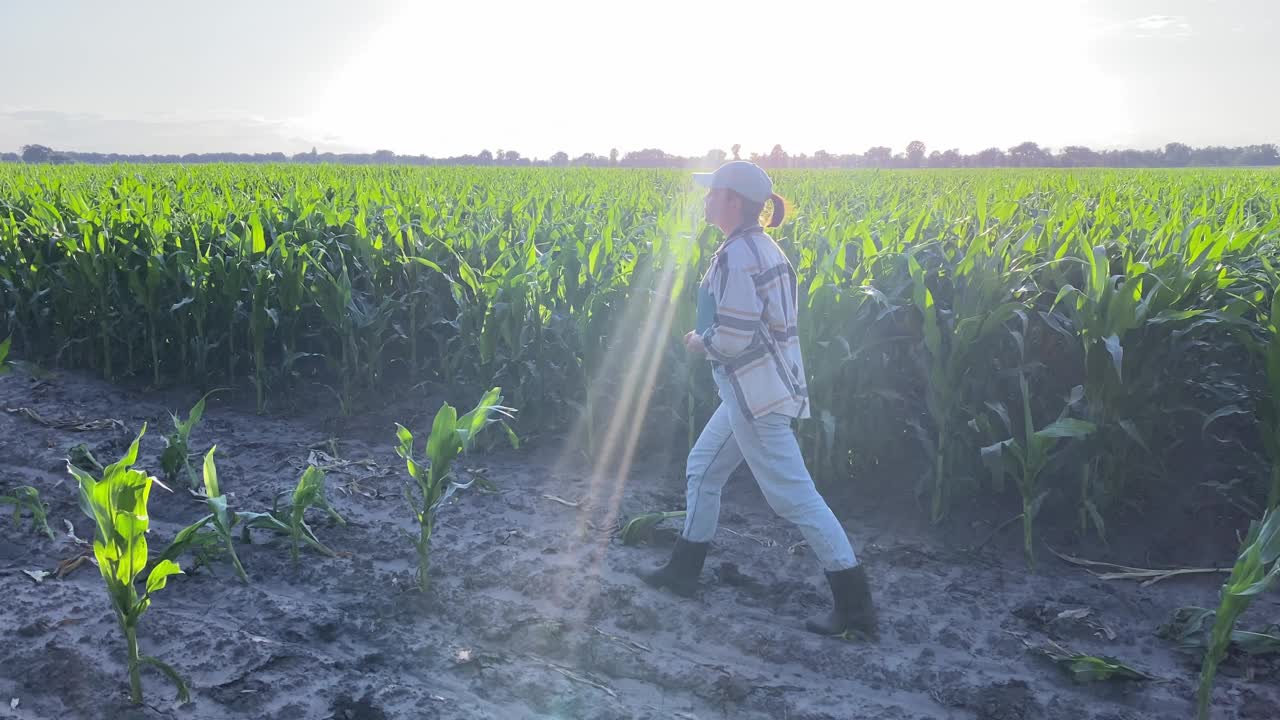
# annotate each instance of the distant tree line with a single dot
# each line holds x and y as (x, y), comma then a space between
(915, 155)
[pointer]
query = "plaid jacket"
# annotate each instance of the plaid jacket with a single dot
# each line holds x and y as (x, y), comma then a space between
(754, 337)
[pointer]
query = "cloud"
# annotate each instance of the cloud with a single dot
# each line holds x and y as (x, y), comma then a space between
(1161, 26)
(156, 133)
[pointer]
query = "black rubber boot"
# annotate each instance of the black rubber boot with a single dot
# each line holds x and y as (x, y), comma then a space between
(853, 614)
(680, 574)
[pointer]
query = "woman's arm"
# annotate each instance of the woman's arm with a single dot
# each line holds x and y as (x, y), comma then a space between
(738, 310)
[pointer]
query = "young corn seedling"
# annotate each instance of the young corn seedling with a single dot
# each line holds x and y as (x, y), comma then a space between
(4, 354)
(641, 527)
(82, 457)
(1087, 668)
(203, 546)
(289, 521)
(309, 494)
(177, 450)
(25, 497)
(1256, 569)
(221, 517)
(450, 437)
(117, 504)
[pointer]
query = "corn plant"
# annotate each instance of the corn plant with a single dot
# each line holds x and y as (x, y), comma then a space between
(177, 448)
(1190, 628)
(433, 477)
(1255, 570)
(147, 285)
(847, 336)
(289, 521)
(1027, 453)
(308, 494)
(220, 517)
(953, 342)
(1114, 317)
(4, 354)
(335, 297)
(203, 546)
(82, 457)
(1088, 668)
(641, 526)
(260, 312)
(25, 497)
(1268, 349)
(117, 504)
(537, 279)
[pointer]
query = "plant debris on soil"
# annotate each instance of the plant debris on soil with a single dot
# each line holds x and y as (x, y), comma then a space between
(535, 610)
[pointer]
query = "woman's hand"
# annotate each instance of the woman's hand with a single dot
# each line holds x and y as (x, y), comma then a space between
(693, 343)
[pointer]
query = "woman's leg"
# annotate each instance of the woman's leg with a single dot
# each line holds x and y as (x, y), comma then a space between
(712, 460)
(772, 453)
(774, 457)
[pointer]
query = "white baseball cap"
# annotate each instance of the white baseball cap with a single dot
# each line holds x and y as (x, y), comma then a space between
(745, 178)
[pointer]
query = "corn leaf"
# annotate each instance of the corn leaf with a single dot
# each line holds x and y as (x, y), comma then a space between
(160, 574)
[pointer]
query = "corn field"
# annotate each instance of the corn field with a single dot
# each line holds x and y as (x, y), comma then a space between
(944, 315)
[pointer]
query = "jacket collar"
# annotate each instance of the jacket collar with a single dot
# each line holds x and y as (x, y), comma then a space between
(743, 231)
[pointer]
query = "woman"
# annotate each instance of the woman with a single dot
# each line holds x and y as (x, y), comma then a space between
(747, 329)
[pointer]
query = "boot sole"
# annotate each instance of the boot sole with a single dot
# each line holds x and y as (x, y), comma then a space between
(858, 636)
(681, 590)
(675, 589)
(849, 634)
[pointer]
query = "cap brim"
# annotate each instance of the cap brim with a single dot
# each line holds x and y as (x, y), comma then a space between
(704, 179)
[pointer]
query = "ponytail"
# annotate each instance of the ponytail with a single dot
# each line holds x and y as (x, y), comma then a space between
(779, 210)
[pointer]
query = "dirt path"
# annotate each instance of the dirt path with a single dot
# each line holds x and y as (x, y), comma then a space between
(535, 611)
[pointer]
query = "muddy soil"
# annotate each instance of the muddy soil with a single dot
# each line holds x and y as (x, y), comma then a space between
(535, 611)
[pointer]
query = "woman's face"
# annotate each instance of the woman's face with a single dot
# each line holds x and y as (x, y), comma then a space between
(723, 209)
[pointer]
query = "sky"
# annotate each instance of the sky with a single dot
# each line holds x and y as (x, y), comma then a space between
(686, 76)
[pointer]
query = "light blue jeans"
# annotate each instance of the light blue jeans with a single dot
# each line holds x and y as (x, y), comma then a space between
(769, 448)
